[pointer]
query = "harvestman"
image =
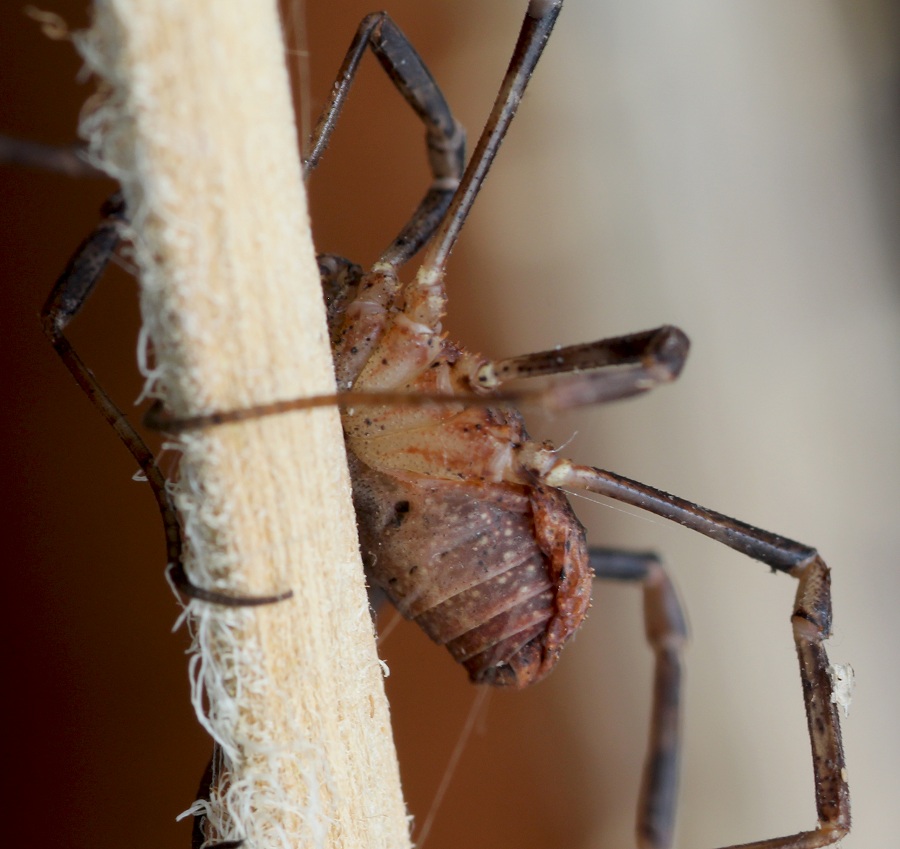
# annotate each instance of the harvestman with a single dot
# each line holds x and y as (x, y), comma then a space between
(463, 521)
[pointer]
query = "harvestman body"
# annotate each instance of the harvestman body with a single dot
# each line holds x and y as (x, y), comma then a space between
(462, 517)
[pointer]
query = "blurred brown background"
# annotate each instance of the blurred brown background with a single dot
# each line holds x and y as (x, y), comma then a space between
(731, 168)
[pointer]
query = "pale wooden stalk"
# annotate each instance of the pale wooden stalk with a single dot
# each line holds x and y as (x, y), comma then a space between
(197, 125)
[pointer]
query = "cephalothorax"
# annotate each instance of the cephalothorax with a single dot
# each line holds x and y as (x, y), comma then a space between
(462, 517)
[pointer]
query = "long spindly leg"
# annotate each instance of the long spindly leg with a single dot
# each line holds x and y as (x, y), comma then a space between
(612, 369)
(540, 18)
(67, 298)
(811, 623)
(666, 631)
(444, 136)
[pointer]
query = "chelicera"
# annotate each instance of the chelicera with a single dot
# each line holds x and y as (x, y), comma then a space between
(463, 519)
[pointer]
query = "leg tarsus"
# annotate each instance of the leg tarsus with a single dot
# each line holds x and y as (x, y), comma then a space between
(184, 585)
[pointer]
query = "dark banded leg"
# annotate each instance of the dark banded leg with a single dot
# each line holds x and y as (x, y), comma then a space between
(810, 621)
(67, 298)
(666, 631)
(444, 137)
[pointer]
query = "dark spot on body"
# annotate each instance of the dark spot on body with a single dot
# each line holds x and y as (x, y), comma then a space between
(401, 508)
(354, 350)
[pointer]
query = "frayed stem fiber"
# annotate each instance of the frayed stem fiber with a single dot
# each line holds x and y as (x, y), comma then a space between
(194, 119)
